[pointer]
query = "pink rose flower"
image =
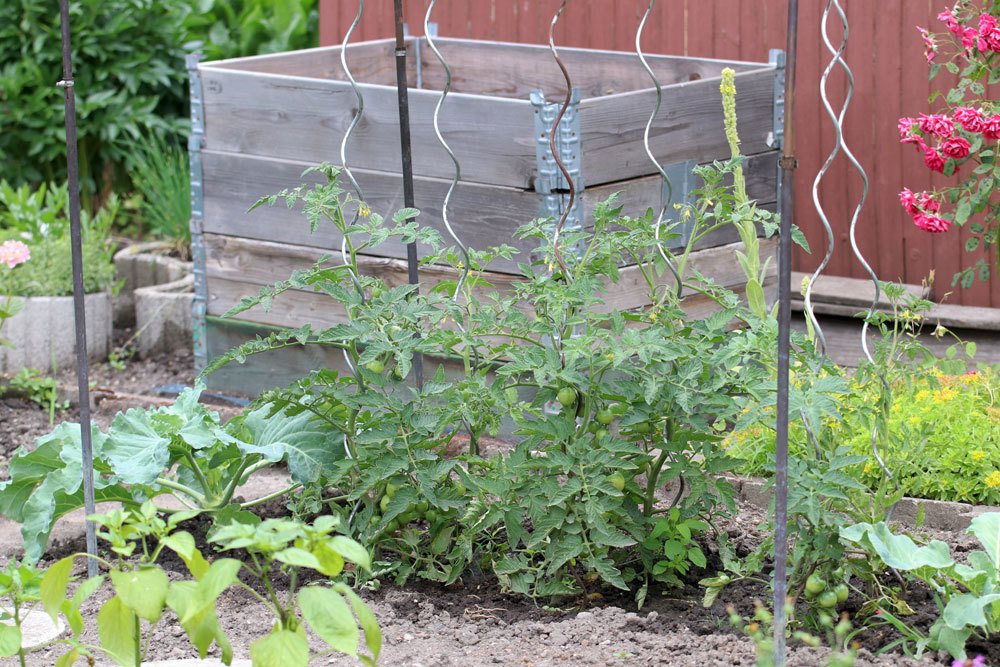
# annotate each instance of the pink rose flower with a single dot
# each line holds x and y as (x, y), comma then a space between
(937, 124)
(991, 127)
(970, 119)
(909, 201)
(930, 46)
(949, 20)
(989, 33)
(934, 160)
(956, 147)
(906, 131)
(970, 38)
(928, 203)
(931, 223)
(13, 253)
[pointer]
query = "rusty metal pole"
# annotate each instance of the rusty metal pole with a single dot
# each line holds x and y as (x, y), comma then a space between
(79, 303)
(412, 261)
(788, 164)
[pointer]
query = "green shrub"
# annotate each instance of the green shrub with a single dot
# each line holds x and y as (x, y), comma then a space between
(40, 219)
(231, 28)
(130, 82)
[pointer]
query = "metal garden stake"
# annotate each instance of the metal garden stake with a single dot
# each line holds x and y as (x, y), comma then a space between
(79, 304)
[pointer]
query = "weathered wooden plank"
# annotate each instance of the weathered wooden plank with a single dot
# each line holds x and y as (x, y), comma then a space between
(301, 118)
(689, 127)
(850, 293)
(514, 70)
(482, 215)
(640, 194)
(370, 62)
(238, 267)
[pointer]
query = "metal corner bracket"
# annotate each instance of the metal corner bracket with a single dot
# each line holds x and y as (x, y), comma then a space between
(550, 182)
(196, 142)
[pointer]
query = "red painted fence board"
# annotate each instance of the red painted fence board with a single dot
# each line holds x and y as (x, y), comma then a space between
(885, 54)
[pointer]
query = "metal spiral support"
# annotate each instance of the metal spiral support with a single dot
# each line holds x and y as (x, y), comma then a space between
(667, 257)
(552, 144)
(355, 120)
(841, 146)
(466, 260)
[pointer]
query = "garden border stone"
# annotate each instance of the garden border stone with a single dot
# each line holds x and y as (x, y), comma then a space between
(144, 265)
(938, 514)
(42, 333)
(163, 315)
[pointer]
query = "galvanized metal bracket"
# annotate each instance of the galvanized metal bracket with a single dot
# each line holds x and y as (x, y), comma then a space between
(675, 196)
(776, 138)
(196, 142)
(550, 182)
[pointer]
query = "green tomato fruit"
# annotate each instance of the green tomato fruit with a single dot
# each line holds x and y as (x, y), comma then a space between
(828, 600)
(601, 433)
(384, 503)
(374, 520)
(376, 292)
(643, 428)
(432, 516)
(566, 396)
(392, 526)
(837, 574)
(842, 592)
(423, 506)
(376, 367)
(617, 480)
(605, 416)
(815, 584)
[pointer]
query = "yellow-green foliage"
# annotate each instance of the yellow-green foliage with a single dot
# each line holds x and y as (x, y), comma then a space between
(944, 444)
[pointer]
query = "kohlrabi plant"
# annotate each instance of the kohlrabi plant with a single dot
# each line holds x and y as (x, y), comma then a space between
(182, 450)
(968, 592)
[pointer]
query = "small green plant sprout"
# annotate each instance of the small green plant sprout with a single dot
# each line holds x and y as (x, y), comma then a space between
(331, 610)
(40, 389)
(20, 586)
(968, 593)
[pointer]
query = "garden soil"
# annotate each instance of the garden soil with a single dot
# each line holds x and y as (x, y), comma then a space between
(475, 624)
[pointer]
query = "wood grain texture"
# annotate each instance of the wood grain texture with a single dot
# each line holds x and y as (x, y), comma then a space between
(481, 215)
(689, 127)
(239, 267)
(514, 70)
(300, 118)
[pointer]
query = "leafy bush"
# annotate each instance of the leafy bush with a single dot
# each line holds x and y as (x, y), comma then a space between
(129, 70)
(131, 81)
(40, 218)
(230, 28)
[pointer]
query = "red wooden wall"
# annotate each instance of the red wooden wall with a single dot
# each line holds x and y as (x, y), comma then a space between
(885, 54)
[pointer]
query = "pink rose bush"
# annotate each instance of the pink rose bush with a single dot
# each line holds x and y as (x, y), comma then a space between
(13, 253)
(963, 137)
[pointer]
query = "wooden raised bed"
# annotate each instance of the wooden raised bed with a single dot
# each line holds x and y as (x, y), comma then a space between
(268, 118)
